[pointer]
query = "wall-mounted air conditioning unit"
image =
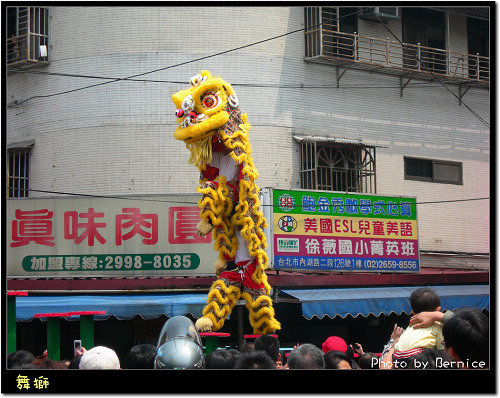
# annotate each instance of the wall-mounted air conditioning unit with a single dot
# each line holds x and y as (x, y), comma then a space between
(380, 13)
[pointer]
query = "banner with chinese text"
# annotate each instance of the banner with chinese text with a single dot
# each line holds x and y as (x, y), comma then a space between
(327, 231)
(98, 236)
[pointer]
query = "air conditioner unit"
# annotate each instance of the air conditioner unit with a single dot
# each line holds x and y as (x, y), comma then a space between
(380, 13)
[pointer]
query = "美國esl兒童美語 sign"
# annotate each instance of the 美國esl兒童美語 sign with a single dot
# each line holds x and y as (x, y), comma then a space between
(328, 231)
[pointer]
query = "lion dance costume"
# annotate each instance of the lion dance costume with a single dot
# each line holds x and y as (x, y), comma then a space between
(216, 133)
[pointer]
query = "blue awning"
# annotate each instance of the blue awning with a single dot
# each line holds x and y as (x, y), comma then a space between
(384, 300)
(121, 306)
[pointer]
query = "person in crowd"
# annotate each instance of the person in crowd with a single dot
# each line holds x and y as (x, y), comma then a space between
(389, 347)
(19, 358)
(222, 359)
(466, 338)
(74, 363)
(306, 356)
(27, 366)
(47, 363)
(428, 318)
(368, 360)
(336, 343)
(141, 356)
(414, 341)
(271, 346)
(247, 347)
(338, 360)
(356, 348)
(432, 358)
(100, 357)
(254, 360)
(236, 353)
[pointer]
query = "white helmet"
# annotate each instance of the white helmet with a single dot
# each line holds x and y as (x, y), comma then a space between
(179, 346)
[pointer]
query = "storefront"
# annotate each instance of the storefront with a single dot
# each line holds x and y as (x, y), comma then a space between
(364, 314)
(339, 265)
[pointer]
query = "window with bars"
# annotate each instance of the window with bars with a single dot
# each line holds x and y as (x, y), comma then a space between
(27, 36)
(18, 172)
(333, 166)
(328, 31)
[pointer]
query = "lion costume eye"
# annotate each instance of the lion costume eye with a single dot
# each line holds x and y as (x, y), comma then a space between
(195, 81)
(210, 99)
(187, 104)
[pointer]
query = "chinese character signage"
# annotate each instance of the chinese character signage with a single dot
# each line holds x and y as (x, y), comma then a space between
(327, 231)
(153, 235)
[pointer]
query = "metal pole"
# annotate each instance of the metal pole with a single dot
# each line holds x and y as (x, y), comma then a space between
(87, 331)
(211, 344)
(53, 338)
(240, 326)
(11, 324)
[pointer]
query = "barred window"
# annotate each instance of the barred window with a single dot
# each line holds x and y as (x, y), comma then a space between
(334, 166)
(18, 172)
(328, 31)
(27, 36)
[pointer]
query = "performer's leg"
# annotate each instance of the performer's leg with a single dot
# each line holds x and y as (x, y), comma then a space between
(259, 304)
(216, 204)
(221, 299)
(211, 207)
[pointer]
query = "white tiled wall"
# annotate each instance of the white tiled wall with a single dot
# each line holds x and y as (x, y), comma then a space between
(117, 138)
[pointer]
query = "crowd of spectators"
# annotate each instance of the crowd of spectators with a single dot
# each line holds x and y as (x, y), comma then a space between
(434, 340)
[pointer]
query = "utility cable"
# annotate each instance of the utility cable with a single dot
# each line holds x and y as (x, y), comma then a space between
(132, 78)
(253, 85)
(143, 198)
(179, 64)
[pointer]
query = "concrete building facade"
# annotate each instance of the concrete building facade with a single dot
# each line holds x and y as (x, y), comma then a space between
(89, 105)
(116, 136)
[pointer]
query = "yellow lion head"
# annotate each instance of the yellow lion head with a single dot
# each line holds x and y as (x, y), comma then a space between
(203, 108)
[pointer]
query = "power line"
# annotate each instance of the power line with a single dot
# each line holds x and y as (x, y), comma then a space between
(132, 78)
(431, 72)
(181, 63)
(277, 86)
(144, 199)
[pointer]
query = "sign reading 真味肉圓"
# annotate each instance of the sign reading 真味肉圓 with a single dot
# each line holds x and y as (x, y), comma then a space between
(123, 236)
(329, 231)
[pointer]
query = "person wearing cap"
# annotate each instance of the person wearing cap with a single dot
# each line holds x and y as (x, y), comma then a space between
(338, 344)
(100, 357)
(334, 343)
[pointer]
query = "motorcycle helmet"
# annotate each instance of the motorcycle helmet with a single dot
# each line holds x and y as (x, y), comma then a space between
(179, 345)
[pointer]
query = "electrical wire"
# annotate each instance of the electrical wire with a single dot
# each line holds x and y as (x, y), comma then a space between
(132, 78)
(142, 198)
(253, 85)
(179, 64)
(412, 53)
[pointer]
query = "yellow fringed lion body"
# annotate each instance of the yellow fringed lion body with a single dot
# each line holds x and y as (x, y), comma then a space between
(210, 121)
